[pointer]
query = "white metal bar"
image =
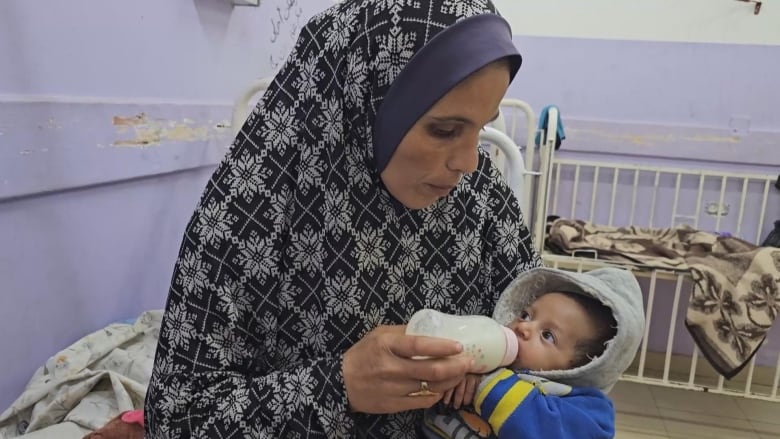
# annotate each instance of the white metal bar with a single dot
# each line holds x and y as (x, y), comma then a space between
(673, 221)
(540, 209)
(546, 163)
(763, 211)
(700, 388)
(510, 123)
(614, 194)
(720, 382)
(574, 191)
(672, 324)
(694, 361)
(633, 196)
(776, 381)
(532, 212)
(504, 121)
(777, 378)
(699, 196)
(743, 198)
(719, 216)
(683, 171)
(749, 381)
(530, 118)
(515, 174)
(593, 192)
(648, 319)
(549, 135)
(655, 197)
(557, 188)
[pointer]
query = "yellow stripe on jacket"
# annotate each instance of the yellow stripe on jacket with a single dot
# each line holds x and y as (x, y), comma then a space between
(514, 392)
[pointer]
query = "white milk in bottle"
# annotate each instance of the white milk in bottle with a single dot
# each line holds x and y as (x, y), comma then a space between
(491, 344)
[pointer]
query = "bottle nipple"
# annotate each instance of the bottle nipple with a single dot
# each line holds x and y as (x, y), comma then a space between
(511, 346)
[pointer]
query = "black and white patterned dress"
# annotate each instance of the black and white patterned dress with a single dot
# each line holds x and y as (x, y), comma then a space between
(296, 250)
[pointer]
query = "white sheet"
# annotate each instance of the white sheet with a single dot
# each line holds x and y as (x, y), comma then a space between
(90, 382)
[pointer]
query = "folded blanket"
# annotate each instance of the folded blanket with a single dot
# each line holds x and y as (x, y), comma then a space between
(89, 383)
(736, 285)
(735, 300)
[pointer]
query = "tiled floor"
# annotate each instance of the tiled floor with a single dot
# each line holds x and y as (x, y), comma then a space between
(652, 412)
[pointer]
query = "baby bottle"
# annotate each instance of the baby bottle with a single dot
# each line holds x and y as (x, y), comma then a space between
(490, 344)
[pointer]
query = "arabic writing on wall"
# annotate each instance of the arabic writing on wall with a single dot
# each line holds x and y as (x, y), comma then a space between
(286, 23)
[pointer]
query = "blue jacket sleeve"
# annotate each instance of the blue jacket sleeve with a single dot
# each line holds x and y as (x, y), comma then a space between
(520, 409)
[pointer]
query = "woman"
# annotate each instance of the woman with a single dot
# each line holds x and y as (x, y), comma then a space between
(354, 195)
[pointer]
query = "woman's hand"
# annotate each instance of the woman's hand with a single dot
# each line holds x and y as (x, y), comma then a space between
(463, 393)
(380, 372)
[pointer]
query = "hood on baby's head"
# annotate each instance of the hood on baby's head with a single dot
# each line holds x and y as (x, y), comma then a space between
(616, 288)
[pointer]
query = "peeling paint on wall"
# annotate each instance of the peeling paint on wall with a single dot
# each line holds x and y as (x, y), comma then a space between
(138, 119)
(149, 132)
(630, 138)
(710, 138)
(651, 139)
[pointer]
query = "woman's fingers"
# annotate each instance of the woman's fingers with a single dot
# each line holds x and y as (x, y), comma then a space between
(415, 346)
(457, 401)
(472, 382)
(463, 394)
(448, 371)
(448, 396)
(433, 360)
(380, 374)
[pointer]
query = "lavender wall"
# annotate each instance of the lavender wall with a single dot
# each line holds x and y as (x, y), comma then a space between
(658, 99)
(112, 117)
(701, 21)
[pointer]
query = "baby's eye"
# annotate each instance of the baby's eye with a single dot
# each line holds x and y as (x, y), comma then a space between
(548, 336)
(525, 316)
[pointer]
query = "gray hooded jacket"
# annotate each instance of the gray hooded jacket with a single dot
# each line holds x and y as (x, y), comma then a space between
(615, 288)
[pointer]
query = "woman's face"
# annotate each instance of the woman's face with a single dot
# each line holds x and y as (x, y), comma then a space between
(442, 145)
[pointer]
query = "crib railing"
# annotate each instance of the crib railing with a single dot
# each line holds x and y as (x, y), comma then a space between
(618, 194)
(657, 196)
(518, 121)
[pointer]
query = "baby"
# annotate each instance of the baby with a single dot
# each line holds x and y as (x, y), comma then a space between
(581, 330)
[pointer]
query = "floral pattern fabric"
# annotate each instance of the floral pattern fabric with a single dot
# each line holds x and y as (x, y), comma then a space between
(296, 251)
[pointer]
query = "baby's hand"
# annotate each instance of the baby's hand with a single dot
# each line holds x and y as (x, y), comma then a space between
(462, 394)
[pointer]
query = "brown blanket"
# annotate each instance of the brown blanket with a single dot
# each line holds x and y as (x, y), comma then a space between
(736, 285)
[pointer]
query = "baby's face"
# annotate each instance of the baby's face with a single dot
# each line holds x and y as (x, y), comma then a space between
(548, 332)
